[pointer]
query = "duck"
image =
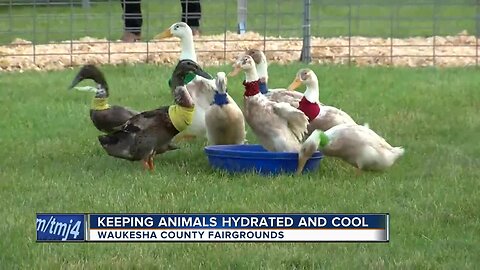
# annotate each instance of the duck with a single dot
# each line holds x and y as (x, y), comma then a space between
(278, 126)
(357, 145)
(105, 117)
(201, 89)
(320, 116)
(151, 132)
(224, 119)
(277, 94)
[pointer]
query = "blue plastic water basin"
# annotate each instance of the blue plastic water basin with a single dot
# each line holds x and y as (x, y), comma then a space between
(253, 157)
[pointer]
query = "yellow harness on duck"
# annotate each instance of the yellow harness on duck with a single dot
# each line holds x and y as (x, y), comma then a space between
(100, 104)
(181, 116)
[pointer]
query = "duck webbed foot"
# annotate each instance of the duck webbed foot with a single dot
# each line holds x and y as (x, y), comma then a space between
(145, 164)
(148, 162)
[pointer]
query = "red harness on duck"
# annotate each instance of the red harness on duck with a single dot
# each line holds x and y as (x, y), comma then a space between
(311, 110)
(251, 88)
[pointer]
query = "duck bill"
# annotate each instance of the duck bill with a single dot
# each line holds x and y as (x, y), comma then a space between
(302, 160)
(294, 85)
(203, 74)
(86, 88)
(235, 71)
(165, 34)
(75, 81)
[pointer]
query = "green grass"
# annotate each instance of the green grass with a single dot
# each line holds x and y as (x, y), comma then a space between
(51, 162)
(329, 18)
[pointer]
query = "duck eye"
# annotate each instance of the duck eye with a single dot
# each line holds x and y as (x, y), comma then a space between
(303, 76)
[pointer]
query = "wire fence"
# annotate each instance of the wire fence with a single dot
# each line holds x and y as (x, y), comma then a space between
(49, 34)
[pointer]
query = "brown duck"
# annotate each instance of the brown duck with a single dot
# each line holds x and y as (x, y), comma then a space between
(151, 132)
(105, 117)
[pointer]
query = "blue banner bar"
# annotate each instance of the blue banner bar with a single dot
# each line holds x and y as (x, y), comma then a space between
(60, 227)
(238, 221)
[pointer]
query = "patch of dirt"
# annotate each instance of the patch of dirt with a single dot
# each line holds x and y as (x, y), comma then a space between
(443, 51)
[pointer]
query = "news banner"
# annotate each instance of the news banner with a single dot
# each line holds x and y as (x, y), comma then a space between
(212, 227)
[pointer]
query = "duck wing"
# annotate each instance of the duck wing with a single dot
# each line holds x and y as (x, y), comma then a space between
(371, 137)
(283, 95)
(329, 117)
(296, 119)
(118, 144)
(109, 120)
(337, 115)
(143, 120)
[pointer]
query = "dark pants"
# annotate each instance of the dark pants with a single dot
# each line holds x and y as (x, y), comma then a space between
(191, 12)
(132, 14)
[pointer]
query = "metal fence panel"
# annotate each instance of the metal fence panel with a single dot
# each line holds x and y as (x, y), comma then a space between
(46, 34)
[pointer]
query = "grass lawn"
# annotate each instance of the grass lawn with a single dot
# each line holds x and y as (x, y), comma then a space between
(382, 18)
(51, 162)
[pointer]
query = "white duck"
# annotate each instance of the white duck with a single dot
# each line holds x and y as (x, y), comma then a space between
(200, 89)
(278, 126)
(224, 119)
(320, 117)
(277, 94)
(355, 144)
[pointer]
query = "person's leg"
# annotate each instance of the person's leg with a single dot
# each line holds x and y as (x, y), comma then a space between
(191, 14)
(132, 16)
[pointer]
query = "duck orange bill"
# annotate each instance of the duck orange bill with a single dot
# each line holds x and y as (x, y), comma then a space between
(165, 34)
(294, 85)
(235, 71)
(302, 160)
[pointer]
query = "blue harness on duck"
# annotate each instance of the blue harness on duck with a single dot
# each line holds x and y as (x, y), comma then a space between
(263, 87)
(220, 99)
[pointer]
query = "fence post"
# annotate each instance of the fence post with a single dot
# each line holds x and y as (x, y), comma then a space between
(85, 3)
(242, 16)
(477, 30)
(305, 55)
(477, 18)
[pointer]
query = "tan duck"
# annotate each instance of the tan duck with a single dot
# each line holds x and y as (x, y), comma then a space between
(201, 89)
(278, 126)
(357, 145)
(105, 117)
(150, 132)
(224, 119)
(320, 116)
